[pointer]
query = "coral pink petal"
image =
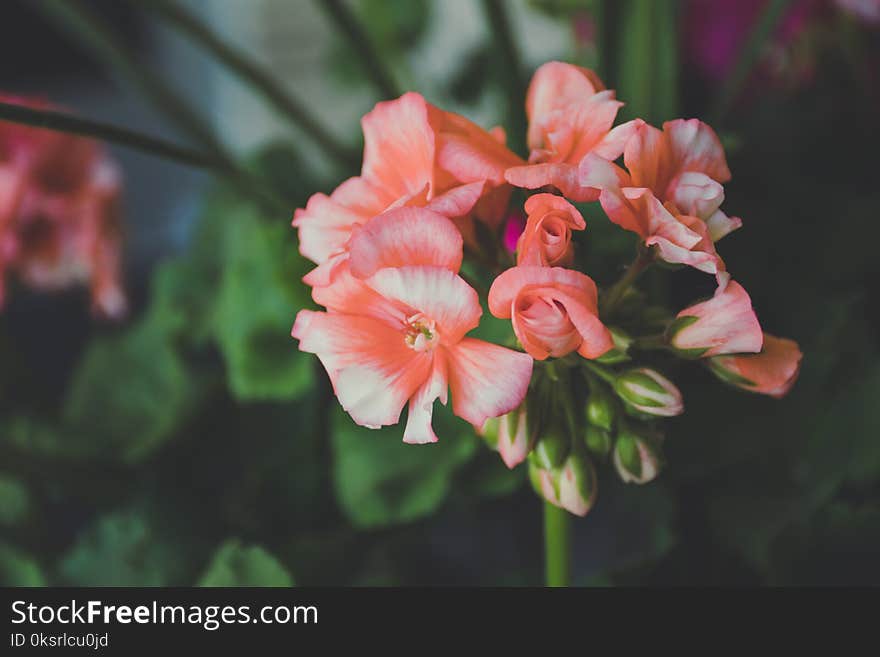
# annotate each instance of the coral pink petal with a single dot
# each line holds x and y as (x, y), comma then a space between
(324, 227)
(405, 236)
(458, 201)
(555, 86)
(726, 324)
(486, 380)
(421, 407)
(694, 146)
(352, 296)
(563, 177)
(612, 145)
(399, 145)
(374, 372)
(438, 293)
(648, 158)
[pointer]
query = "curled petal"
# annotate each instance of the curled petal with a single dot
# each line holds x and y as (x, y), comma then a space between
(555, 86)
(725, 324)
(694, 146)
(546, 239)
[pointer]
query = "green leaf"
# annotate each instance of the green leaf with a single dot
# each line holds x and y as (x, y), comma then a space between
(14, 500)
(259, 296)
(18, 568)
(380, 480)
(236, 565)
(128, 396)
(123, 549)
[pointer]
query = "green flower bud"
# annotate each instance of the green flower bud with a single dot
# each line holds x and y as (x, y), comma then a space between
(619, 353)
(600, 408)
(637, 458)
(649, 392)
(551, 449)
(598, 440)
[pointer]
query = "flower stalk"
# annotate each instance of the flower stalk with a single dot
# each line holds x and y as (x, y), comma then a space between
(557, 546)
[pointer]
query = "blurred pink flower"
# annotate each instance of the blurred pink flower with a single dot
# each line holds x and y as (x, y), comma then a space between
(59, 213)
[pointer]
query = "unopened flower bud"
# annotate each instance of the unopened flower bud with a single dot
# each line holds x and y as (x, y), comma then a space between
(514, 438)
(572, 486)
(598, 440)
(600, 408)
(551, 449)
(636, 458)
(772, 372)
(649, 392)
(489, 432)
(619, 353)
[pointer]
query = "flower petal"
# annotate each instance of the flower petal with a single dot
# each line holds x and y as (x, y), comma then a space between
(405, 236)
(725, 324)
(399, 145)
(421, 407)
(486, 380)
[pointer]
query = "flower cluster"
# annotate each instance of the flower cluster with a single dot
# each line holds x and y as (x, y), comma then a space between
(389, 247)
(59, 213)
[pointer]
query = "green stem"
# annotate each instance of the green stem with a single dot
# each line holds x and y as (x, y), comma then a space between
(606, 375)
(748, 56)
(349, 25)
(250, 72)
(557, 546)
(652, 342)
(63, 122)
(513, 76)
(616, 291)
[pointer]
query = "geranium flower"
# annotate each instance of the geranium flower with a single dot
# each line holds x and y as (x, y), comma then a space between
(414, 154)
(59, 213)
(399, 335)
(570, 116)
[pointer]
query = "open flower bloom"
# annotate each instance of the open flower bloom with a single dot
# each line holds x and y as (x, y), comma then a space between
(59, 213)
(546, 239)
(554, 311)
(772, 372)
(570, 114)
(678, 238)
(398, 335)
(683, 164)
(724, 324)
(414, 154)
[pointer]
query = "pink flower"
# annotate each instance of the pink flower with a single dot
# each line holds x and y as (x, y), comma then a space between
(685, 165)
(725, 324)
(399, 335)
(772, 372)
(570, 116)
(547, 236)
(554, 311)
(415, 155)
(59, 213)
(678, 238)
